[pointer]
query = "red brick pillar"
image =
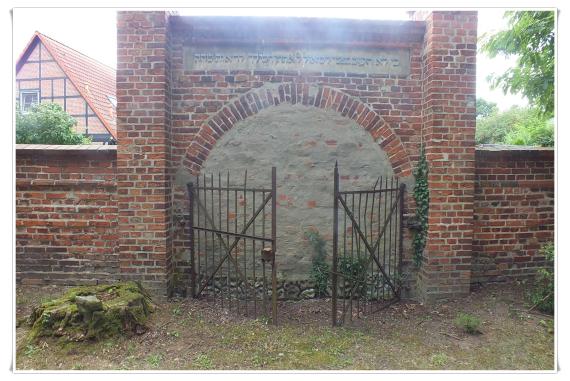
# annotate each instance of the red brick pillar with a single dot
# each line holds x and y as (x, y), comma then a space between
(449, 58)
(143, 129)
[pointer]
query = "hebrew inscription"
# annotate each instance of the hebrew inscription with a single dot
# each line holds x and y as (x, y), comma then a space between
(379, 61)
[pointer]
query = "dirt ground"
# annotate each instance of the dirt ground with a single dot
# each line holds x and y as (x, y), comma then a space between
(188, 334)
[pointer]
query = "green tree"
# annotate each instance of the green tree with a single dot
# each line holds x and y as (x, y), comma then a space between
(530, 37)
(485, 108)
(518, 126)
(47, 123)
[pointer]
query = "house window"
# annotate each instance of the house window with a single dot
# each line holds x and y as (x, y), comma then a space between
(28, 99)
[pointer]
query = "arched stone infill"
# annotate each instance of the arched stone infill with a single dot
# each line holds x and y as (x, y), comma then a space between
(324, 97)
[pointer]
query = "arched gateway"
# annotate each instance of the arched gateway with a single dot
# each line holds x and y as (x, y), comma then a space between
(198, 94)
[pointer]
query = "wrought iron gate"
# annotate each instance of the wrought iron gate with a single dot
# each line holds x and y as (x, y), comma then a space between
(233, 243)
(367, 248)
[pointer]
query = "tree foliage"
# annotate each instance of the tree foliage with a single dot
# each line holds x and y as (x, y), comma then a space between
(47, 123)
(530, 37)
(485, 108)
(517, 126)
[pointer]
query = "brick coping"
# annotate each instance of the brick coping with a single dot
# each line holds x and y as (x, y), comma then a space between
(79, 147)
(505, 147)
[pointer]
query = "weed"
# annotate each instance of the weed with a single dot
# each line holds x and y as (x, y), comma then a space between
(31, 350)
(439, 360)
(176, 311)
(353, 269)
(173, 334)
(203, 362)
(548, 324)
(320, 269)
(77, 367)
(542, 295)
(154, 360)
(469, 323)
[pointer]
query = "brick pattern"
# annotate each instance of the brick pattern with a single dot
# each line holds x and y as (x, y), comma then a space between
(514, 213)
(309, 95)
(143, 158)
(449, 58)
(66, 216)
(205, 103)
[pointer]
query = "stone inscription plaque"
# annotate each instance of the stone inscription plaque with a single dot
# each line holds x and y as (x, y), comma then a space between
(380, 61)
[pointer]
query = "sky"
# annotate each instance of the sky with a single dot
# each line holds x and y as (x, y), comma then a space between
(92, 31)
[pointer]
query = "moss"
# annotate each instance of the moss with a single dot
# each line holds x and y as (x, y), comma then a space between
(126, 307)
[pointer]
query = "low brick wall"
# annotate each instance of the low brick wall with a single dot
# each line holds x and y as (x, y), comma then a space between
(66, 214)
(514, 211)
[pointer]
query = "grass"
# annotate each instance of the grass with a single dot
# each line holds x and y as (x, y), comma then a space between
(468, 323)
(185, 335)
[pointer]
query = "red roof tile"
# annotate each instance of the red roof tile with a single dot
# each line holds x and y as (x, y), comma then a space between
(94, 80)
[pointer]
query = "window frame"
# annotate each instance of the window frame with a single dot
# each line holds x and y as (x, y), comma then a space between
(23, 109)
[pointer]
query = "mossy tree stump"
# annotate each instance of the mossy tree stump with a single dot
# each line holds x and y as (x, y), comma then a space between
(93, 312)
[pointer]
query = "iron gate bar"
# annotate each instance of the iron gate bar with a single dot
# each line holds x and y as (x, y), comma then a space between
(335, 245)
(253, 237)
(218, 233)
(219, 248)
(274, 243)
(362, 274)
(368, 247)
(190, 187)
(234, 244)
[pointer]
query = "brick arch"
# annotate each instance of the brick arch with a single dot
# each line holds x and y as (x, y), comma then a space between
(323, 97)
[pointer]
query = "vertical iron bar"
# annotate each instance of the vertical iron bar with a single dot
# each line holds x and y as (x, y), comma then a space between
(396, 224)
(384, 239)
(254, 263)
(206, 249)
(335, 246)
(191, 236)
(220, 227)
(236, 248)
(245, 244)
(365, 271)
(228, 276)
(401, 249)
(356, 280)
(274, 242)
(198, 272)
(263, 262)
(351, 281)
(389, 272)
(213, 215)
(344, 253)
(379, 228)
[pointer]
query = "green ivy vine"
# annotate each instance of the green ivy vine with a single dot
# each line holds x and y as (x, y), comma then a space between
(421, 195)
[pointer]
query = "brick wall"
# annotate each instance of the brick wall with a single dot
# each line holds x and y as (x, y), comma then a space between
(449, 57)
(171, 118)
(208, 103)
(514, 212)
(66, 215)
(143, 157)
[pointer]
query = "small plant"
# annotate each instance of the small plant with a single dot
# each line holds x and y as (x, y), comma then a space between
(203, 362)
(468, 323)
(176, 311)
(353, 269)
(439, 360)
(542, 295)
(154, 360)
(173, 334)
(421, 195)
(320, 270)
(31, 350)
